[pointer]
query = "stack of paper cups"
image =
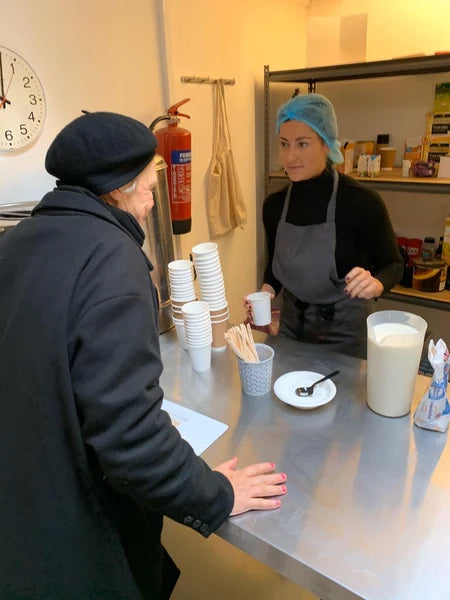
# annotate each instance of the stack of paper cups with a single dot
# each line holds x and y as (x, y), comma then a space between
(182, 290)
(197, 327)
(212, 289)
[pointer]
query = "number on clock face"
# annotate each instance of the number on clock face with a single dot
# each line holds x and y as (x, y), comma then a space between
(22, 102)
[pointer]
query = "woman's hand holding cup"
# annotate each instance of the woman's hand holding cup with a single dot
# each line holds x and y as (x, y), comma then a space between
(258, 305)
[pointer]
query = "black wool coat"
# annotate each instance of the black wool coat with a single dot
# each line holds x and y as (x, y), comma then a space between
(89, 463)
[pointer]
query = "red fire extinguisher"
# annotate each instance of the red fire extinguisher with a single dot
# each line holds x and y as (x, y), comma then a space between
(174, 145)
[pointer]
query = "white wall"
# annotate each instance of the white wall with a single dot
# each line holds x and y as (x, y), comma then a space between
(230, 40)
(89, 55)
(395, 28)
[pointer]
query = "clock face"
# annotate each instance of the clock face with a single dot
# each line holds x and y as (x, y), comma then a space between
(22, 102)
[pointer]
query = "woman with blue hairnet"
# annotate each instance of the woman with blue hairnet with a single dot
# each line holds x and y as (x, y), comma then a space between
(331, 246)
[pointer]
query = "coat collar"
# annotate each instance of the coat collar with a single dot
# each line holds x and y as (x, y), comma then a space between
(68, 199)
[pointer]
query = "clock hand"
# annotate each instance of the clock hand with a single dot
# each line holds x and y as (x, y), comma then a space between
(1, 76)
(4, 99)
(9, 83)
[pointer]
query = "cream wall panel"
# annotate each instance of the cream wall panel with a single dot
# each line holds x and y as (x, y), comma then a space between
(93, 55)
(232, 40)
(394, 27)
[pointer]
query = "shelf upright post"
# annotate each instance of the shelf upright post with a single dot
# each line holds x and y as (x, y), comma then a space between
(266, 129)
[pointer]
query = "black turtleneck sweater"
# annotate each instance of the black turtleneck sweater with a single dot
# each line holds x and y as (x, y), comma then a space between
(364, 234)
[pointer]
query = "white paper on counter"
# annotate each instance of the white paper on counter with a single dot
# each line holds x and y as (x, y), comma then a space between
(197, 429)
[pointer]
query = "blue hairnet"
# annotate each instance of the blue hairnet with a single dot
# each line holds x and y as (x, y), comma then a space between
(316, 111)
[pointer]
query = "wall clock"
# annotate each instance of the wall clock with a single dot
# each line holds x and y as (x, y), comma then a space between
(22, 102)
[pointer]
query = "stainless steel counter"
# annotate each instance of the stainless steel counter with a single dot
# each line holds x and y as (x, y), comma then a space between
(367, 513)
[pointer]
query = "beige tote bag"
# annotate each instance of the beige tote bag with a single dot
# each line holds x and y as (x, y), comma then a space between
(226, 207)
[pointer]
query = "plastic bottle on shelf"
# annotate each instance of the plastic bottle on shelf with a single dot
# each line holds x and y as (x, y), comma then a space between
(439, 248)
(428, 248)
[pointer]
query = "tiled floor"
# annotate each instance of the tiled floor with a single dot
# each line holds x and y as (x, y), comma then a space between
(212, 569)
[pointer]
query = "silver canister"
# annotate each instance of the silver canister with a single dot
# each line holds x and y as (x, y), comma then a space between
(158, 244)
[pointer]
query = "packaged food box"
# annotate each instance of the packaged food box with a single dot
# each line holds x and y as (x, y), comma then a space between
(362, 147)
(436, 147)
(373, 165)
(413, 149)
(442, 97)
(438, 124)
(362, 167)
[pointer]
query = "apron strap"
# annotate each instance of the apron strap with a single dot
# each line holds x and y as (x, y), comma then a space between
(331, 210)
(286, 204)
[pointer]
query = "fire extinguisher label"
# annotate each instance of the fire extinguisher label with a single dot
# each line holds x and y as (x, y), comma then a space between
(180, 173)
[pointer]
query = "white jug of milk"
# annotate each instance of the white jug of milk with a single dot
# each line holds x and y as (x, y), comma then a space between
(394, 346)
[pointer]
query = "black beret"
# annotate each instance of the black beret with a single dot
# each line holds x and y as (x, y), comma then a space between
(100, 151)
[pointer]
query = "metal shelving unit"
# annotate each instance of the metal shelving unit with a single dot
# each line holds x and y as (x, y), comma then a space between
(378, 69)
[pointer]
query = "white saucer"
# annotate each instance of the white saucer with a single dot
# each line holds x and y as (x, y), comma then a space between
(285, 386)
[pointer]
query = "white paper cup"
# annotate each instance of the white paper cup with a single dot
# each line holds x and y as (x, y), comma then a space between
(182, 298)
(221, 317)
(180, 265)
(182, 290)
(205, 259)
(212, 288)
(212, 279)
(204, 249)
(179, 281)
(200, 343)
(261, 307)
(196, 333)
(208, 264)
(195, 308)
(218, 333)
(200, 358)
(215, 306)
(213, 297)
(181, 335)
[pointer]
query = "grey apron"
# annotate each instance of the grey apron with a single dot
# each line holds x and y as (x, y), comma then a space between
(315, 307)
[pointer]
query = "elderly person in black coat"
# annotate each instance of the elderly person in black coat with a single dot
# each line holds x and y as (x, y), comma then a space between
(89, 463)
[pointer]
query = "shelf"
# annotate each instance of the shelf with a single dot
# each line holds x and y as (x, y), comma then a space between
(439, 300)
(366, 70)
(393, 180)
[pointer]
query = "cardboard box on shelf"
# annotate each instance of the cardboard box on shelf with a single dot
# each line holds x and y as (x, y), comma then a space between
(413, 149)
(347, 151)
(438, 124)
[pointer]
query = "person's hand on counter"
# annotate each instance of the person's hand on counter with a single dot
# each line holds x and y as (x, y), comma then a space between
(362, 284)
(254, 486)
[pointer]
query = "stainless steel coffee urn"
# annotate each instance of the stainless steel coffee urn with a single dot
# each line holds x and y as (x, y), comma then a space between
(158, 244)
